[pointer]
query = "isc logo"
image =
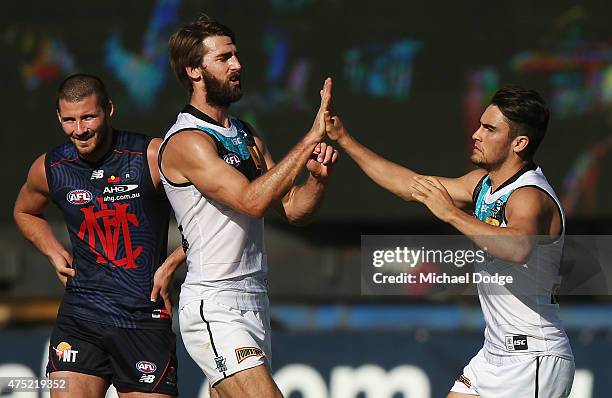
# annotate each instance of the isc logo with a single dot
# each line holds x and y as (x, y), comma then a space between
(516, 343)
(146, 367)
(79, 196)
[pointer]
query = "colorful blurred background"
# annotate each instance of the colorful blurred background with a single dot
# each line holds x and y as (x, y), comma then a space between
(410, 81)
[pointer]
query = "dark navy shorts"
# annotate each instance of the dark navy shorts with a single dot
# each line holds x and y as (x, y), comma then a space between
(142, 360)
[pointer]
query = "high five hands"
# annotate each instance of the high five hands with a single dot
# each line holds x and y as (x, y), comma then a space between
(323, 156)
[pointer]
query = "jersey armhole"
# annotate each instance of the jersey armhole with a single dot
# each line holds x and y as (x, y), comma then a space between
(557, 238)
(159, 161)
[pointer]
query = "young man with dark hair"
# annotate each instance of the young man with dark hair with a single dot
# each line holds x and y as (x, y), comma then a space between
(220, 179)
(517, 217)
(110, 327)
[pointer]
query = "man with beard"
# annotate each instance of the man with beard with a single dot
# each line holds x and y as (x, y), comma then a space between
(518, 220)
(110, 328)
(220, 179)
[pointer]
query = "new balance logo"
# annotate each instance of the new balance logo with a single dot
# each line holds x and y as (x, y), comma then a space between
(97, 174)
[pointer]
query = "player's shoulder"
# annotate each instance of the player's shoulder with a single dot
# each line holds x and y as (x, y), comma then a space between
(530, 196)
(193, 139)
(531, 201)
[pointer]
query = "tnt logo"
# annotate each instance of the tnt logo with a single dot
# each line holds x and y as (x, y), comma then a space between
(65, 353)
(79, 196)
(232, 159)
(516, 343)
(146, 367)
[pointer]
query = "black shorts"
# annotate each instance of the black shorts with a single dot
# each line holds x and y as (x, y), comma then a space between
(142, 360)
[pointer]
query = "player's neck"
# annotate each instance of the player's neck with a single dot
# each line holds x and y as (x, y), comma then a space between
(506, 171)
(217, 113)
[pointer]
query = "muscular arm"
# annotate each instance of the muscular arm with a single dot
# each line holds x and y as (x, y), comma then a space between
(393, 177)
(530, 215)
(201, 166)
(192, 156)
(301, 203)
(31, 201)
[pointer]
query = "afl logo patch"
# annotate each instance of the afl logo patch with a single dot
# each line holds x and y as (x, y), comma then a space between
(232, 159)
(146, 367)
(79, 196)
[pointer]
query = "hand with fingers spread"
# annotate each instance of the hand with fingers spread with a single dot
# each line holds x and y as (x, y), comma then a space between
(430, 191)
(318, 126)
(324, 157)
(62, 262)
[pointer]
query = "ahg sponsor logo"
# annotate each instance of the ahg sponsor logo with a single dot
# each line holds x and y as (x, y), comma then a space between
(119, 188)
(79, 196)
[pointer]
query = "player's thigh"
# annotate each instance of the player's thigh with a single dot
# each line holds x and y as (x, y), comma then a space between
(223, 340)
(78, 385)
(255, 382)
(143, 362)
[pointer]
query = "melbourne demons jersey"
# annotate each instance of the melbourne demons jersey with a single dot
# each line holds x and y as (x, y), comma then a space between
(226, 257)
(118, 226)
(521, 317)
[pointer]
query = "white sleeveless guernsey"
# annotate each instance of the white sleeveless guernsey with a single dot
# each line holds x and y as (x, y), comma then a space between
(521, 317)
(226, 257)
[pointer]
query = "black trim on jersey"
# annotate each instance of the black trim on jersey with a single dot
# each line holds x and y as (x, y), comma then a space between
(537, 382)
(528, 167)
(554, 201)
(212, 342)
(193, 111)
(159, 159)
(476, 191)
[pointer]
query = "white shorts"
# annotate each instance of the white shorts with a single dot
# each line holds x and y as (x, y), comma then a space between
(224, 340)
(545, 376)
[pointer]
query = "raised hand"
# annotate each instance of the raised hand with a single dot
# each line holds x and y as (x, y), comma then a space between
(318, 126)
(324, 157)
(334, 127)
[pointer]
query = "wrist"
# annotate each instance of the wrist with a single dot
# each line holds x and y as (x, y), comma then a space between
(343, 139)
(454, 216)
(317, 179)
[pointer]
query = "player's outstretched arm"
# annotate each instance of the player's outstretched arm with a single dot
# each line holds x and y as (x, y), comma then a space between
(201, 166)
(530, 215)
(391, 176)
(301, 203)
(31, 201)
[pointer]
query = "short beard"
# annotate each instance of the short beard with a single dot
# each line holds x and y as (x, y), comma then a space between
(220, 93)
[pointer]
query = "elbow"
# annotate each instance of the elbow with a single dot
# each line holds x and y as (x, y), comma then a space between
(298, 221)
(254, 212)
(253, 209)
(520, 257)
